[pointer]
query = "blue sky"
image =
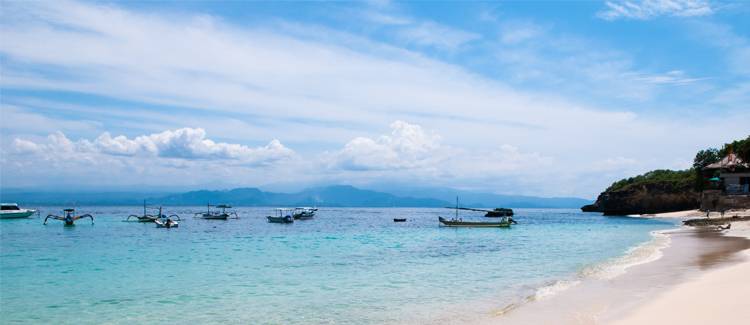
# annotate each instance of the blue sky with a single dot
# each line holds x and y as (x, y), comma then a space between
(540, 98)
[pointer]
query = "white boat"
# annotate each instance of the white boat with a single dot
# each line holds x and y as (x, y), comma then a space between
(304, 213)
(12, 211)
(165, 222)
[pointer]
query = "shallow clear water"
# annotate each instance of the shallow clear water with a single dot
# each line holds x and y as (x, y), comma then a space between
(346, 266)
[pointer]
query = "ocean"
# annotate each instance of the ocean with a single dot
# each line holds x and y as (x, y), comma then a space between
(345, 266)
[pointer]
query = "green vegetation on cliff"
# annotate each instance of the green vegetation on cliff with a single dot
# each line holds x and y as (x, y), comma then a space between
(683, 179)
(664, 190)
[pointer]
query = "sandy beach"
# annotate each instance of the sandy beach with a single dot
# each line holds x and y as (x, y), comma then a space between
(689, 275)
(715, 297)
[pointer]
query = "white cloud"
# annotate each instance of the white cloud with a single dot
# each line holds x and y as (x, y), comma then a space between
(408, 146)
(383, 18)
(411, 153)
(614, 164)
(516, 32)
(674, 77)
(647, 9)
(436, 35)
(309, 83)
(185, 143)
(15, 119)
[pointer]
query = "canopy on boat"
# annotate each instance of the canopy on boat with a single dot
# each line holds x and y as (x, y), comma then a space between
(714, 179)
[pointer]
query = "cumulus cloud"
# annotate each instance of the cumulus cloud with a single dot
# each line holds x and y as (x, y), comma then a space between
(151, 60)
(408, 146)
(185, 143)
(647, 9)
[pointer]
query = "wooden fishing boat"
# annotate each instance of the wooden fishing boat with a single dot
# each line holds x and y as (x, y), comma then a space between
(284, 219)
(282, 216)
(217, 215)
(461, 223)
(504, 222)
(146, 217)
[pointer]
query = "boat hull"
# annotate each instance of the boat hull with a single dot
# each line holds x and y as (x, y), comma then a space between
(163, 224)
(216, 218)
(306, 215)
(287, 219)
(17, 215)
(472, 224)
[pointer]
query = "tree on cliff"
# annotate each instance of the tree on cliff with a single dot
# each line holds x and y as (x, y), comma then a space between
(666, 190)
(706, 157)
(740, 147)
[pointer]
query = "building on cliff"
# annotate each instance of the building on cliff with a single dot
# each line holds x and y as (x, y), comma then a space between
(729, 185)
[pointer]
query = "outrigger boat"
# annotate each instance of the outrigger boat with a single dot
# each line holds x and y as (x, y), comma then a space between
(145, 217)
(216, 215)
(282, 216)
(504, 222)
(304, 213)
(69, 219)
(12, 211)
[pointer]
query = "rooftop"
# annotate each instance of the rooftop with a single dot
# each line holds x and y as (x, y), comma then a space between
(730, 161)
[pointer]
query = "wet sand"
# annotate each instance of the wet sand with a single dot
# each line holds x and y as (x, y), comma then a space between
(603, 299)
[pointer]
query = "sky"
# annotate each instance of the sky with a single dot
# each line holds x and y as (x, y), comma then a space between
(546, 98)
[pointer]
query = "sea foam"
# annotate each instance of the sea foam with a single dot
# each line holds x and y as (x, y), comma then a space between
(643, 253)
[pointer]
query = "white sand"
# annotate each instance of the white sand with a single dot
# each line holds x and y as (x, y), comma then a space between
(720, 296)
(695, 214)
(677, 214)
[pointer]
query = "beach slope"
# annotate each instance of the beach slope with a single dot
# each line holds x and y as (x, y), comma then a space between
(720, 296)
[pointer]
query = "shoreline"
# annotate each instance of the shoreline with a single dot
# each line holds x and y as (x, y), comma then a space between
(716, 296)
(639, 292)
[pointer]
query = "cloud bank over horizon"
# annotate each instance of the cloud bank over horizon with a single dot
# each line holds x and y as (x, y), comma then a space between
(116, 95)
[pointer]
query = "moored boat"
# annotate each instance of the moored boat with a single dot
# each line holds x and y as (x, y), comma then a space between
(68, 218)
(461, 223)
(499, 212)
(145, 217)
(217, 215)
(494, 213)
(12, 211)
(303, 213)
(282, 216)
(166, 223)
(504, 222)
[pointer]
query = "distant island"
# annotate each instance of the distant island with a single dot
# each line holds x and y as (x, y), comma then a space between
(328, 196)
(718, 180)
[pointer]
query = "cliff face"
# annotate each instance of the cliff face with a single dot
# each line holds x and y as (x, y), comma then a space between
(656, 197)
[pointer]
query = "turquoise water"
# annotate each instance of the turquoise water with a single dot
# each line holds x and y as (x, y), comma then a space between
(346, 266)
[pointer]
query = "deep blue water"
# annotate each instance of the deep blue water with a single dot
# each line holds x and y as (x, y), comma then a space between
(346, 266)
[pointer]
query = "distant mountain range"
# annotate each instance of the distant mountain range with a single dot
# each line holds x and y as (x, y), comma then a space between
(330, 196)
